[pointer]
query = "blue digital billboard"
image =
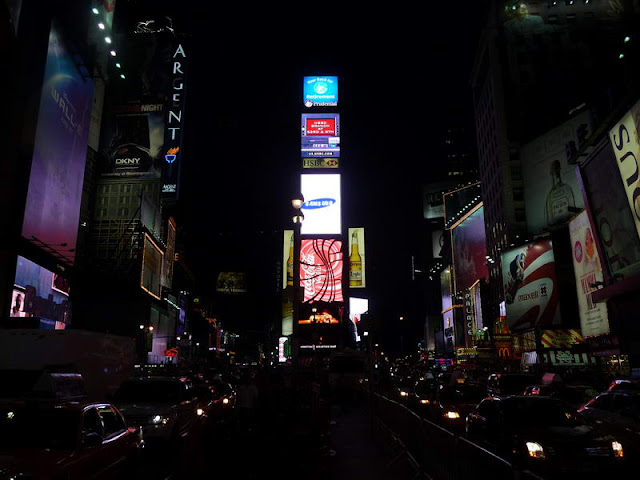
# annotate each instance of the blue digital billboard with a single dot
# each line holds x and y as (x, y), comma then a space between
(60, 148)
(320, 91)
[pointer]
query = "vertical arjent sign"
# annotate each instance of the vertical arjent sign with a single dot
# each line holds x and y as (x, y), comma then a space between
(173, 126)
(626, 145)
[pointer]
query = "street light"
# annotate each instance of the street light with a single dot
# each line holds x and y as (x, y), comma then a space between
(298, 218)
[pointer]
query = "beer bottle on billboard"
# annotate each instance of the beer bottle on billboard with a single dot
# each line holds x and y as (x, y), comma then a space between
(290, 263)
(355, 262)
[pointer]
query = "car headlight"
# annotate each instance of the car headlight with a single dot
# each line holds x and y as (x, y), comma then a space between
(159, 419)
(225, 401)
(403, 393)
(618, 451)
(452, 415)
(199, 412)
(424, 402)
(535, 450)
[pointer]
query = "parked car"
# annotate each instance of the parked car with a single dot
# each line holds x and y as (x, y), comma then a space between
(503, 384)
(545, 435)
(72, 440)
(451, 404)
(164, 407)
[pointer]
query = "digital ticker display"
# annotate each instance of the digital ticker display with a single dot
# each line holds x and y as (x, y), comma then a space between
(320, 135)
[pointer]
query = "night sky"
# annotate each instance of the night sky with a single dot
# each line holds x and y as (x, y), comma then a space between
(403, 71)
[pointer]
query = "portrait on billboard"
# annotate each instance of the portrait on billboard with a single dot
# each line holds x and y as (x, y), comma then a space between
(530, 286)
(469, 250)
(321, 267)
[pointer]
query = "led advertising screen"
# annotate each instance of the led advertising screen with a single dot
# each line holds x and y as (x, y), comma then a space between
(551, 188)
(357, 263)
(320, 91)
(357, 306)
(470, 250)
(626, 146)
(38, 292)
(321, 270)
(287, 259)
(530, 286)
(320, 135)
(611, 213)
(231, 283)
(322, 206)
(133, 140)
(169, 254)
(52, 209)
(588, 270)
(152, 257)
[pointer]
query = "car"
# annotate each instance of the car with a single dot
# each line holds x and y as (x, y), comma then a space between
(165, 408)
(574, 395)
(545, 435)
(451, 404)
(74, 440)
(217, 399)
(403, 389)
(503, 384)
(624, 385)
(423, 393)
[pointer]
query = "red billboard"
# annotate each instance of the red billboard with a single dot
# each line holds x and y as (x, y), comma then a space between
(321, 126)
(321, 266)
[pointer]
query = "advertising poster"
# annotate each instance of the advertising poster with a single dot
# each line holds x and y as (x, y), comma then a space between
(320, 91)
(287, 259)
(320, 135)
(611, 213)
(551, 187)
(321, 270)
(38, 292)
(626, 146)
(530, 286)
(152, 257)
(447, 310)
(322, 206)
(169, 255)
(588, 270)
(357, 306)
(469, 250)
(133, 140)
(52, 209)
(231, 283)
(357, 264)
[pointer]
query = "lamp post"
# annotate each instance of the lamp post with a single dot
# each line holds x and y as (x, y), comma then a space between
(298, 218)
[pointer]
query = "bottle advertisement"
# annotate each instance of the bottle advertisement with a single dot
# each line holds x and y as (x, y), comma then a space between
(357, 277)
(551, 190)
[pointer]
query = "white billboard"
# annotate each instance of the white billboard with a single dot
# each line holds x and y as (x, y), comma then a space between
(322, 205)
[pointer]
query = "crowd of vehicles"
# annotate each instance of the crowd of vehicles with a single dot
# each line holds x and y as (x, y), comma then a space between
(541, 422)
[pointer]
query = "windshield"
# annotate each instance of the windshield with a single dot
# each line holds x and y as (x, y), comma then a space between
(540, 413)
(148, 391)
(31, 428)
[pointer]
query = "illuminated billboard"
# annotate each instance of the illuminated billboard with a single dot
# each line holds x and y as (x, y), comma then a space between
(356, 259)
(357, 306)
(588, 271)
(322, 206)
(40, 293)
(320, 135)
(626, 146)
(152, 257)
(320, 91)
(551, 189)
(530, 286)
(469, 250)
(287, 259)
(321, 270)
(52, 208)
(231, 283)
(169, 255)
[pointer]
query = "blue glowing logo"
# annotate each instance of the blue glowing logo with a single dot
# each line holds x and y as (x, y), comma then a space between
(318, 203)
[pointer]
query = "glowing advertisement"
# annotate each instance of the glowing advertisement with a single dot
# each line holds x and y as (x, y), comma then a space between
(287, 259)
(231, 283)
(626, 146)
(52, 209)
(356, 259)
(320, 91)
(40, 293)
(551, 189)
(321, 266)
(469, 250)
(322, 206)
(530, 286)
(320, 135)
(357, 306)
(169, 255)
(588, 271)
(152, 257)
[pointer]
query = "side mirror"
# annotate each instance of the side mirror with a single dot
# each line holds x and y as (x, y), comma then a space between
(91, 439)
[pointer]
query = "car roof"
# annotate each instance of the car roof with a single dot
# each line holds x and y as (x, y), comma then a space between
(53, 405)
